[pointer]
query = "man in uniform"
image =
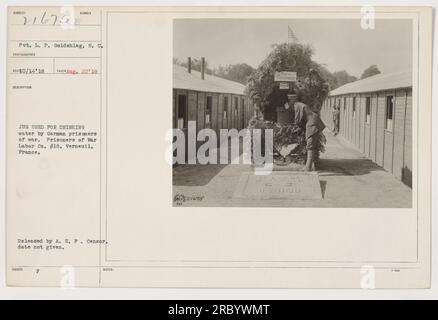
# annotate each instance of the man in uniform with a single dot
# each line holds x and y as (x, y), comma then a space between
(336, 113)
(309, 121)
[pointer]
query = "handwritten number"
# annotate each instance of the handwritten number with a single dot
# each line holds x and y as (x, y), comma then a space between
(55, 18)
(46, 19)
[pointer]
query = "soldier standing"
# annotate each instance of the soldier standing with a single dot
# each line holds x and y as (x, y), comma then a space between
(311, 122)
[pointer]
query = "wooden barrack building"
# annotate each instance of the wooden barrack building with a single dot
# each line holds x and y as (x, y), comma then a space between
(212, 102)
(376, 117)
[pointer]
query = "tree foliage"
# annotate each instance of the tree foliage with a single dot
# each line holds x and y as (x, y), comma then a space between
(235, 72)
(343, 77)
(196, 65)
(329, 77)
(295, 57)
(370, 71)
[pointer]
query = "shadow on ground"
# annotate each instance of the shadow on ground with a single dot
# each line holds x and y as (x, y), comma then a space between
(323, 185)
(195, 175)
(347, 167)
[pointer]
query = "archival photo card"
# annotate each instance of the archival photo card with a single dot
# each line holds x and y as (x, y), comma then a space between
(219, 147)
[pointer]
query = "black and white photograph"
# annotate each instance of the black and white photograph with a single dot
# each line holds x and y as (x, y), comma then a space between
(293, 113)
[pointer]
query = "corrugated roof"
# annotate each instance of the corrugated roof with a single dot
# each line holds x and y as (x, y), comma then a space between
(192, 81)
(387, 81)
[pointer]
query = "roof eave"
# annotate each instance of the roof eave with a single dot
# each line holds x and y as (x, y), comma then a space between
(368, 92)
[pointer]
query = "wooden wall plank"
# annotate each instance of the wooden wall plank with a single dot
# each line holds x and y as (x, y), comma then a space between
(214, 111)
(399, 133)
(380, 128)
(388, 144)
(389, 138)
(373, 136)
(407, 166)
(220, 113)
(201, 111)
(193, 106)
